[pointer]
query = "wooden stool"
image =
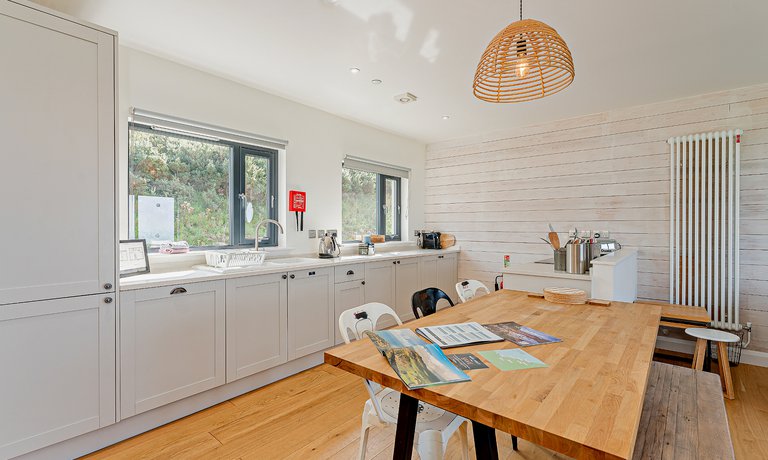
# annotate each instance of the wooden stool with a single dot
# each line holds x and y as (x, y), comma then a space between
(723, 339)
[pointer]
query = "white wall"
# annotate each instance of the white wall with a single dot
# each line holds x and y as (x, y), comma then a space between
(318, 141)
(607, 171)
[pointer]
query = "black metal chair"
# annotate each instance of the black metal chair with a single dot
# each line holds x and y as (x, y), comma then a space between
(426, 301)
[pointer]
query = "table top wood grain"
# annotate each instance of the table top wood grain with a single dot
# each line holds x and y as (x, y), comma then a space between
(586, 404)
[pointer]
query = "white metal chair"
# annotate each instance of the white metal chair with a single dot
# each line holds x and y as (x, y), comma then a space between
(468, 289)
(434, 426)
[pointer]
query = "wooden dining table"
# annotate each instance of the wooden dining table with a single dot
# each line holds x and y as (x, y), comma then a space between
(586, 403)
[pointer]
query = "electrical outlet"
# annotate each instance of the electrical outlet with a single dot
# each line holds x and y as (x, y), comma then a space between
(312, 233)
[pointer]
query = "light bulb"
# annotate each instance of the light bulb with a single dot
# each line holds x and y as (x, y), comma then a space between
(522, 69)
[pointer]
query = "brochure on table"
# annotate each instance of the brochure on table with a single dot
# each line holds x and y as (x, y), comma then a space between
(418, 364)
(458, 335)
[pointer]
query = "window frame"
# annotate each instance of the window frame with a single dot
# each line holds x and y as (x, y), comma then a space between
(381, 221)
(239, 151)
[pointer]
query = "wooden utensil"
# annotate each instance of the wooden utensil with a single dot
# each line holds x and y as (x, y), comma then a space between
(447, 240)
(554, 240)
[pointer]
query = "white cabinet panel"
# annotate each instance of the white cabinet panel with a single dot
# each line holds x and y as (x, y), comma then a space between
(58, 378)
(448, 274)
(428, 269)
(57, 179)
(407, 282)
(348, 295)
(380, 282)
(171, 344)
(310, 311)
(257, 324)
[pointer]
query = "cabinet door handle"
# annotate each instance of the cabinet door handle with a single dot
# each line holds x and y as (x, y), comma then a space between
(107, 299)
(285, 277)
(293, 276)
(107, 286)
(179, 290)
(398, 262)
(350, 272)
(311, 273)
(440, 257)
(363, 283)
(393, 262)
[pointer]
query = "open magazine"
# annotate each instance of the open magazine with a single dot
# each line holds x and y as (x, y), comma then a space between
(418, 364)
(458, 335)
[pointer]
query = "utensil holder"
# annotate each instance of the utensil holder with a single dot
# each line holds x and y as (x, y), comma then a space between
(560, 257)
(577, 258)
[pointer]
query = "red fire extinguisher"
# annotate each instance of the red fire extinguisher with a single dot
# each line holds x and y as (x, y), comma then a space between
(498, 284)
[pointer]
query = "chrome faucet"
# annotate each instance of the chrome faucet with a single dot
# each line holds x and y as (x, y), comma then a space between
(264, 222)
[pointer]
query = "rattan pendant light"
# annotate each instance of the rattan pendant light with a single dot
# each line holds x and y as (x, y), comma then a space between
(527, 60)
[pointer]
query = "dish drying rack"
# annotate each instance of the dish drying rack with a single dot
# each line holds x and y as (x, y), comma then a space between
(227, 258)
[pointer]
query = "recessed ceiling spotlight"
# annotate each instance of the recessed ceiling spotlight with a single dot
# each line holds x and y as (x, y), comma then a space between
(376, 81)
(446, 117)
(405, 98)
(354, 70)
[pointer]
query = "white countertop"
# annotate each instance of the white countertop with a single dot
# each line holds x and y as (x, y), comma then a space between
(548, 270)
(151, 280)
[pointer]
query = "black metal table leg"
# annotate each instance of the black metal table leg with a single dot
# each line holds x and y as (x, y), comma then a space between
(406, 427)
(514, 442)
(485, 442)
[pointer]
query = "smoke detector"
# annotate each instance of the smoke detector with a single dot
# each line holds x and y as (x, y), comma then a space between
(405, 98)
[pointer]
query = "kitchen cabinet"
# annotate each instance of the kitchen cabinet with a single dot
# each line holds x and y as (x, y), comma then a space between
(448, 274)
(310, 311)
(349, 294)
(58, 175)
(406, 283)
(257, 324)
(58, 380)
(440, 271)
(380, 282)
(172, 344)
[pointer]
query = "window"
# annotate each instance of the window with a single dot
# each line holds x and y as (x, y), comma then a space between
(206, 191)
(370, 204)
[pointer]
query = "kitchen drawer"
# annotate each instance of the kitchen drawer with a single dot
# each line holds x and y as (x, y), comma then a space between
(355, 272)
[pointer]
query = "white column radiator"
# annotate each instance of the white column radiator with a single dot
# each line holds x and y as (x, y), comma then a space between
(704, 224)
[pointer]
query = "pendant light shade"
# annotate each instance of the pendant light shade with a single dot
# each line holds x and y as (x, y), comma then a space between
(525, 61)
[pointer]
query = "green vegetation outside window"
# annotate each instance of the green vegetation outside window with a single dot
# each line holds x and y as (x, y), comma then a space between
(370, 204)
(208, 192)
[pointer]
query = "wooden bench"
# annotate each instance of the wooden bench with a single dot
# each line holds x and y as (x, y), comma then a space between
(683, 416)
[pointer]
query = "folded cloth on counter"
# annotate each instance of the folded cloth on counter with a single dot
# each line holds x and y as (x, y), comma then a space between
(174, 247)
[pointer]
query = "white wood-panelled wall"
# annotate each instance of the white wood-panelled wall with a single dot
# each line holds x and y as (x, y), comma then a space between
(608, 171)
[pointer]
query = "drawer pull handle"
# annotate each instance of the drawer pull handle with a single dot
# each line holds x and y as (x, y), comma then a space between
(179, 290)
(311, 273)
(350, 272)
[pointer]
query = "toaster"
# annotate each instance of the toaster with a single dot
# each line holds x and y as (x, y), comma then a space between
(429, 240)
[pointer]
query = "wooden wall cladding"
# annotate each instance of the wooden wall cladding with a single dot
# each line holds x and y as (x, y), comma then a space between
(607, 171)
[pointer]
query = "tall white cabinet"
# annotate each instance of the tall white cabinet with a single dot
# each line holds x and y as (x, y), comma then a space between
(57, 202)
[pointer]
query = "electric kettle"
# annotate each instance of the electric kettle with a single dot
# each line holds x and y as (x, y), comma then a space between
(329, 247)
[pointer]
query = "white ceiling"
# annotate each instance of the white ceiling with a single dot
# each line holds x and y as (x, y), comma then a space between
(625, 52)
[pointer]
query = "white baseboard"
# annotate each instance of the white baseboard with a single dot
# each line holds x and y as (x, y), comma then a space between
(132, 426)
(755, 358)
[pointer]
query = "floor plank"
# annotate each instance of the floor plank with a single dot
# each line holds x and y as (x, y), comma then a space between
(316, 415)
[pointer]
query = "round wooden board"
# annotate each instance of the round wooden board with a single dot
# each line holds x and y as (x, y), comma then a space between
(565, 295)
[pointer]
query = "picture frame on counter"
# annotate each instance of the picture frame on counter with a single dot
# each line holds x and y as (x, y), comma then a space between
(134, 259)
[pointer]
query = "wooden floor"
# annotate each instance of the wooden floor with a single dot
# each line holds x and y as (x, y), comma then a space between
(316, 414)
